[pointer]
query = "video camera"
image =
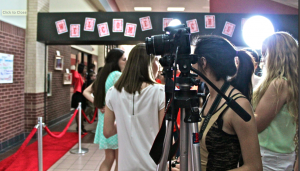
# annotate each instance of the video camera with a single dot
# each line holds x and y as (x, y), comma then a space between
(174, 47)
(165, 44)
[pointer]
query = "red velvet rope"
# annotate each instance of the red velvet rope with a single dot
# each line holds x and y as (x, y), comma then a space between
(21, 149)
(95, 113)
(65, 130)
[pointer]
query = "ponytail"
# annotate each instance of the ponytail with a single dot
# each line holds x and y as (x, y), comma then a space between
(220, 54)
(245, 68)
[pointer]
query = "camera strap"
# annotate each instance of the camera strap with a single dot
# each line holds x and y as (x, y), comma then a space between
(156, 150)
(212, 108)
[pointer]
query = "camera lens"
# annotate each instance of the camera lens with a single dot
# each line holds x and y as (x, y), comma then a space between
(157, 44)
(149, 45)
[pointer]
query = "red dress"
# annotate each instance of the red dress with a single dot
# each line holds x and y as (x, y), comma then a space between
(77, 82)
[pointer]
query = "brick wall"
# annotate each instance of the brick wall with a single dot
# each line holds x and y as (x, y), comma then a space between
(12, 41)
(58, 104)
(34, 108)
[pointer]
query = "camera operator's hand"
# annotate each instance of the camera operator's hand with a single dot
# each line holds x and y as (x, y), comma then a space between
(177, 165)
(176, 168)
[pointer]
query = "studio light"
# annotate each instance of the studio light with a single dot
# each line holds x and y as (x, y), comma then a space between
(256, 29)
(175, 22)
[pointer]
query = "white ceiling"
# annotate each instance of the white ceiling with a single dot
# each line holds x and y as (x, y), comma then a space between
(291, 3)
(162, 5)
(190, 5)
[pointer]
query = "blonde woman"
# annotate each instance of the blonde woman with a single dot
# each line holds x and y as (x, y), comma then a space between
(275, 102)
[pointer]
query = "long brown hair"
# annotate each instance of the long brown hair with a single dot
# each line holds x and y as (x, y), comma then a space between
(281, 62)
(111, 64)
(138, 69)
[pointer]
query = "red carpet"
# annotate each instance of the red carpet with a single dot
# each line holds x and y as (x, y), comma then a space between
(53, 150)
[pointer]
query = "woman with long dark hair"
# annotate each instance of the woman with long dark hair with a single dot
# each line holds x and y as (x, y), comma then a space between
(114, 63)
(225, 136)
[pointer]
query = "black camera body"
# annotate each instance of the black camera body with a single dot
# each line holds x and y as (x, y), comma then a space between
(165, 44)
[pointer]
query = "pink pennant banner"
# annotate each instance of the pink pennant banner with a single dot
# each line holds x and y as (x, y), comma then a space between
(193, 25)
(74, 30)
(61, 26)
(118, 25)
(145, 23)
(166, 22)
(210, 22)
(228, 29)
(89, 24)
(103, 29)
(130, 30)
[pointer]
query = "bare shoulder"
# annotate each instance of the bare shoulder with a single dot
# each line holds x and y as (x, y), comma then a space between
(279, 84)
(277, 88)
(232, 120)
(243, 102)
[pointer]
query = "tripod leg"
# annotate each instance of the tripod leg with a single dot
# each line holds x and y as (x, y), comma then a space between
(190, 167)
(162, 166)
(184, 136)
(195, 147)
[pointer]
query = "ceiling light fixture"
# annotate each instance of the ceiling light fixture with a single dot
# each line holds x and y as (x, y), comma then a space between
(175, 9)
(142, 9)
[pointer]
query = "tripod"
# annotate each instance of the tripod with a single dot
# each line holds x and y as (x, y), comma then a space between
(188, 102)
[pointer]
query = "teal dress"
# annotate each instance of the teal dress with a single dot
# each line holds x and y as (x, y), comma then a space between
(111, 142)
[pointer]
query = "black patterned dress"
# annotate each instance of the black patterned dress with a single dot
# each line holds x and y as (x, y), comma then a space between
(219, 151)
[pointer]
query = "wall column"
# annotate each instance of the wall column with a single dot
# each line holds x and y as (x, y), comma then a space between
(34, 65)
(101, 56)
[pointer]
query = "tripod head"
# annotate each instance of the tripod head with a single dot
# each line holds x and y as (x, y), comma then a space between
(174, 47)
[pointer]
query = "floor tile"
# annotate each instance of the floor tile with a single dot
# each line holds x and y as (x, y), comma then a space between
(74, 167)
(89, 167)
(63, 166)
(60, 170)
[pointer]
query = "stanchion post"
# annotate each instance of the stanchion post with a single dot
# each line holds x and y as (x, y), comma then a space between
(79, 150)
(40, 143)
(79, 128)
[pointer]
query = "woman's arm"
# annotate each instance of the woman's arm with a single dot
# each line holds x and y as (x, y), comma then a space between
(161, 115)
(296, 164)
(248, 137)
(270, 104)
(87, 93)
(109, 128)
